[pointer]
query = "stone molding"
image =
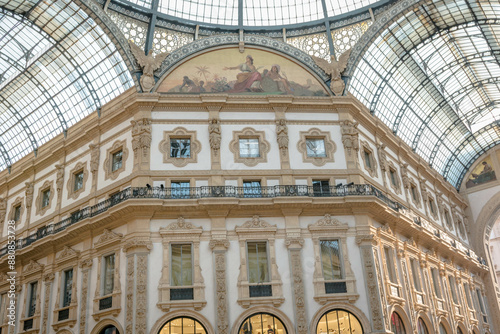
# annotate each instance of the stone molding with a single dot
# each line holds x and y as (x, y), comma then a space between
(350, 134)
(47, 185)
(70, 185)
(249, 133)
(180, 133)
(330, 147)
(17, 202)
(372, 171)
(117, 146)
(141, 137)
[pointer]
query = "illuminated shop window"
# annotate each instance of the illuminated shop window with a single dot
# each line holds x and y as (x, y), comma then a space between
(339, 321)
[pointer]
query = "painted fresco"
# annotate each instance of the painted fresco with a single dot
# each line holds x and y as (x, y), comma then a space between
(483, 173)
(253, 72)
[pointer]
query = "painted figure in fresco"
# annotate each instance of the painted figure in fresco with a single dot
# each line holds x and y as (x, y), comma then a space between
(486, 175)
(283, 84)
(248, 80)
(189, 84)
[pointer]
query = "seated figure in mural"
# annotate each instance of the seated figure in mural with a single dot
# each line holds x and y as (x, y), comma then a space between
(248, 80)
(280, 83)
(486, 175)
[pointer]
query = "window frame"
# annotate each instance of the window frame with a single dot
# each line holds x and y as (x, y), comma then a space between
(329, 144)
(249, 155)
(172, 266)
(80, 167)
(368, 158)
(180, 155)
(109, 171)
(45, 198)
(249, 133)
(268, 268)
(179, 133)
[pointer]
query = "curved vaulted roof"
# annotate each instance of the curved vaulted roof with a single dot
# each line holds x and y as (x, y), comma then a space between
(432, 75)
(56, 67)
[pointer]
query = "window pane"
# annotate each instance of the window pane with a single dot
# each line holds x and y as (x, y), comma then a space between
(117, 161)
(17, 213)
(183, 326)
(321, 187)
(393, 177)
(45, 198)
(181, 265)
(435, 281)
(78, 181)
(315, 147)
(180, 147)
(257, 262)
(339, 321)
(397, 324)
(109, 274)
(249, 148)
(68, 284)
(252, 189)
(32, 300)
(180, 189)
(414, 271)
(330, 259)
(368, 159)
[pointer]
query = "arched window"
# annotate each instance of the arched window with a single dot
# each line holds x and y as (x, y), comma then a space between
(338, 321)
(182, 325)
(459, 330)
(110, 330)
(442, 330)
(422, 328)
(261, 323)
(397, 326)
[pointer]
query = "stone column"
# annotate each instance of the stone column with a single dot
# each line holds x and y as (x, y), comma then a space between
(219, 247)
(294, 243)
(379, 317)
(85, 265)
(48, 279)
(137, 251)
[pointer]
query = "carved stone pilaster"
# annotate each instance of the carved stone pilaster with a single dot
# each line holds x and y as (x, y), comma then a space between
(141, 294)
(94, 158)
(3, 209)
(48, 279)
(294, 248)
(129, 316)
(59, 180)
(141, 140)
(219, 247)
(85, 265)
(373, 281)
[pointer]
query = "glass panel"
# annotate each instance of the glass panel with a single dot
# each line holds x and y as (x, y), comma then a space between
(183, 326)
(415, 271)
(391, 268)
(321, 187)
(467, 295)
(182, 266)
(252, 189)
(330, 259)
(258, 268)
(392, 174)
(78, 181)
(249, 148)
(397, 324)
(422, 328)
(109, 274)
(262, 323)
(32, 300)
(116, 162)
(442, 330)
(435, 281)
(68, 285)
(315, 147)
(339, 321)
(453, 289)
(180, 189)
(180, 147)
(17, 213)
(368, 159)
(45, 198)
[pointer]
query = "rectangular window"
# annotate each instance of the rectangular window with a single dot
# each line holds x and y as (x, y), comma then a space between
(414, 194)
(467, 295)
(331, 260)
(180, 147)
(67, 287)
(414, 271)
(249, 148)
(447, 217)
(45, 198)
(392, 174)
(180, 189)
(252, 189)
(321, 187)
(109, 275)
(453, 289)
(17, 213)
(315, 147)
(431, 206)
(258, 267)
(32, 299)
(391, 269)
(368, 159)
(78, 183)
(182, 265)
(116, 160)
(480, 300)
(435, 282)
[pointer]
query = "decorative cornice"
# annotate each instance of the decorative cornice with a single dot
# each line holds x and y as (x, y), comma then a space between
(219, 243)
(256, 222)
(145, 244)
(108, 237)
(67, 253)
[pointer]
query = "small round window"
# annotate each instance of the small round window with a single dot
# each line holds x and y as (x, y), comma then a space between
(262, 323)
(338, 321)
(183, 326)
(110, 330)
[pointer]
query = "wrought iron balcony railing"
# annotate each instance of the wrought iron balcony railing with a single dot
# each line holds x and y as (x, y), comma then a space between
(208, 192)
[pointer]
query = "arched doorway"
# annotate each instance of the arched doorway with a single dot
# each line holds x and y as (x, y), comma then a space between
(338, 321)
(262, 323)
(397, 325)
(182, 325)
(110, 329)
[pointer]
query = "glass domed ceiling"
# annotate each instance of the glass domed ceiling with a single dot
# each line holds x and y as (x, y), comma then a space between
(253, 12)
(56, 67)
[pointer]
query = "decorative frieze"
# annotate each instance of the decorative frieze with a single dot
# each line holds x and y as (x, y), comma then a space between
(141, 137)
(349, 130)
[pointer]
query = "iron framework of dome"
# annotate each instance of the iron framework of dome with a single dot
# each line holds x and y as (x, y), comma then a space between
(427, 69)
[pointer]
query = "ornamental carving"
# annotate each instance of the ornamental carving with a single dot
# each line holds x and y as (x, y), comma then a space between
(382, 157)
(250, 133)
(31, 267)
(141, 294)
(328, 220)
(83, 302)
(221, 293)
(67, 253)
(423, 190)
(29, 194)
(138, 243)
(148, 64)
(94, 158)
(349, 130)
(334, 69)
(108, 237)
(45, 319)
(141, 136)
(404, 176)
(59, 179)
(129, 303)
(294, 242)
(179, 133)
(305, 142)
(298, 291)
(372, 287)
(218, 243)
(180, 224)
(47, 186)
(3, 209)
(214, 133)
(282, 135)
(256, 222)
